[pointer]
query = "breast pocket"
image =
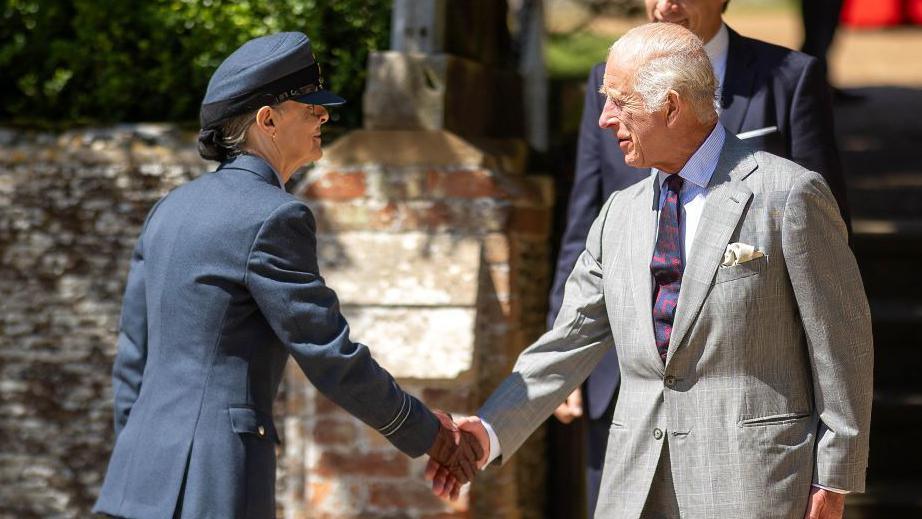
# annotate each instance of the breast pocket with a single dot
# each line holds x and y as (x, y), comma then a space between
(742, 270)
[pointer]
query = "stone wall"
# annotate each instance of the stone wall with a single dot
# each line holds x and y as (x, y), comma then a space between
(71, 206)
(442, 270)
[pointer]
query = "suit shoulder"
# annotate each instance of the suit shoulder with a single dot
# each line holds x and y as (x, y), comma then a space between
(772, 56)
(618, 199)
(776, 173)
(634, 189)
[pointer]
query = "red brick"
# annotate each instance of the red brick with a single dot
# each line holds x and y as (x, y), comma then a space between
(455, 400)
(323, 405)
(530, 220)
(496, 279)
(457, 514)
(336, 185)
(375, 440)
(436, 216)
(383, 464)
(337, 499)
(406, 495)
(334, 432)
(496, 248)
(466, 184)
(318, 492)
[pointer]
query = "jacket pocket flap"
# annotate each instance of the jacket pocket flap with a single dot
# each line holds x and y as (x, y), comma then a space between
(245, 420)
(775, 419)
(741, 270)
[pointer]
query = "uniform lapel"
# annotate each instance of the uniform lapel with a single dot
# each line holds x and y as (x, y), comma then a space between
(738, 80)
(726, 201)
(642, 239)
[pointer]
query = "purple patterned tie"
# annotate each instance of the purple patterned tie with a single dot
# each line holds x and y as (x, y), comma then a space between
(667, 266)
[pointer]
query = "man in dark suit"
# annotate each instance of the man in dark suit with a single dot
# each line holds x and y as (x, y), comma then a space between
(223, 287)
(820, 22)
(774, 98)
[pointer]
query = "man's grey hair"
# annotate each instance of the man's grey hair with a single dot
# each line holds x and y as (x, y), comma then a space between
(664, 57)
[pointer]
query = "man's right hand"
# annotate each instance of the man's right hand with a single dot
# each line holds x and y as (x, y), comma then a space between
(572, 408)
(454, 455)
(445, 482)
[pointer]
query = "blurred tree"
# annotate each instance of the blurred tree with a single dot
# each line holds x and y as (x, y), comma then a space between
(85, 61)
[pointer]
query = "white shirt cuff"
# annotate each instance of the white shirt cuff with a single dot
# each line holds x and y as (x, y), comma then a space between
(494, 443)
(836, 490)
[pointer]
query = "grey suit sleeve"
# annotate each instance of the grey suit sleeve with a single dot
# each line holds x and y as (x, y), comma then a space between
(283, 277)
(131, 355)
(551, 368)
(837, 325)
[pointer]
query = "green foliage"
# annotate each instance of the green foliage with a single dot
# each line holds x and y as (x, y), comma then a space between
(150, 60)
(571, 56)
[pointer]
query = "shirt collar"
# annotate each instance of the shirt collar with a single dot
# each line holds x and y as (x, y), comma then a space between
(717, 50)
(700, 167)
(718, 46)
(254, 164)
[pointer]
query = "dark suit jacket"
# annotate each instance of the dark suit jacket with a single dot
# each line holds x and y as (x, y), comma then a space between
(765, 85)
(223, 287)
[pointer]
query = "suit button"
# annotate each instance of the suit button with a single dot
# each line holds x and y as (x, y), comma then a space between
(261, 431)
(670, 381)
(657, 434)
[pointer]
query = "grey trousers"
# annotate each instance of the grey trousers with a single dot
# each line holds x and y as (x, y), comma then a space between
(661, 501)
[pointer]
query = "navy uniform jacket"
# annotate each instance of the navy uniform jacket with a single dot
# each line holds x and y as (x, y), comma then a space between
(223, 286)
(765, 85)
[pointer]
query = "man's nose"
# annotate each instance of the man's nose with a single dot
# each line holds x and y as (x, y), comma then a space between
(667, 7)
(609, 117)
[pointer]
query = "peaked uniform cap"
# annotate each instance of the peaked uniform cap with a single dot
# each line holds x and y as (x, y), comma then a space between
(265, 71)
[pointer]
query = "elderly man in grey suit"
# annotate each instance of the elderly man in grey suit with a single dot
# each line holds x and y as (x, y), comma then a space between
(726, 285)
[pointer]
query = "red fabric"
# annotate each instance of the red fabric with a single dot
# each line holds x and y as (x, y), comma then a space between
(914, 11)
(873, 13)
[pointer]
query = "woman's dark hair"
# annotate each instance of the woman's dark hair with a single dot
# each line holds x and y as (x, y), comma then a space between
(227, 140)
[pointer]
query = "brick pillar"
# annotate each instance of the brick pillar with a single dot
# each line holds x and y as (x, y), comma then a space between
(438, 250)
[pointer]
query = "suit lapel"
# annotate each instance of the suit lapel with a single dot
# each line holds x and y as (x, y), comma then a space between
(726, 201)
(738, 80)
(643, 224)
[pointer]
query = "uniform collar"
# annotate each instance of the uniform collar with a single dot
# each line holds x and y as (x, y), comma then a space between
(256, 165)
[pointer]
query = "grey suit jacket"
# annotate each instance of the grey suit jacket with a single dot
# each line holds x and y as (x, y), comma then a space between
(223, 287)
(767, 383)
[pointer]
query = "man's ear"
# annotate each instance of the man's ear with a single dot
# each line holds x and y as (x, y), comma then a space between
(673, 107)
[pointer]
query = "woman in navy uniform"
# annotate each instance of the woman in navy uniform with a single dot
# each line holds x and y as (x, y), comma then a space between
(223, 287)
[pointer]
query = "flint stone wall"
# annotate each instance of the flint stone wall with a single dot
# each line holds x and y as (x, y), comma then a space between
(71, 205)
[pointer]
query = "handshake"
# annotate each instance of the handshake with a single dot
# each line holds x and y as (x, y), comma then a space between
(460, 449)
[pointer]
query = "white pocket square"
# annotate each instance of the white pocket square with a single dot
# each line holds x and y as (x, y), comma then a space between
(737, 253)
